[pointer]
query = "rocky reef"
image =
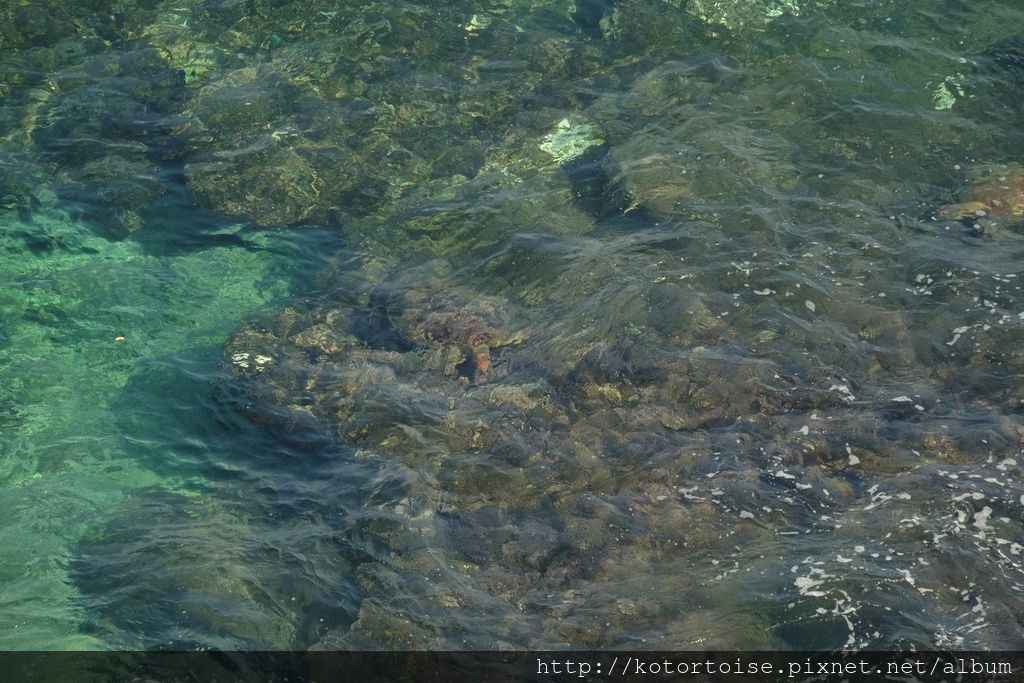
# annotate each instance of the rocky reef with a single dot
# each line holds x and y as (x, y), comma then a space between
(634, 331)
(581, 481)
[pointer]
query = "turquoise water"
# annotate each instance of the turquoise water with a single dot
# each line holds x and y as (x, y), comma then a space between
(107, 350)
(511, 324)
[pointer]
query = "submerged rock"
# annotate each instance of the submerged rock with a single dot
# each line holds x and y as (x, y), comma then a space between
(335, 117)
(995, 196)
(190, 574)
(701, 165)
(554, 458)
(580, 426)
(282, 114)
(106, 130)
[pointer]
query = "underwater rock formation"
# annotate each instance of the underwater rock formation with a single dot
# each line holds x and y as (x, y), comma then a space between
(94, 125)
(105, 130)
(995, 196)
(524, 477)
(562, 477)
(337, 118)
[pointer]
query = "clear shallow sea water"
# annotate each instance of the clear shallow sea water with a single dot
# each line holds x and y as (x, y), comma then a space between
(507, 325)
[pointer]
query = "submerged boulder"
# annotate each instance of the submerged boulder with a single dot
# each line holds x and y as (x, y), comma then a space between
(994, 197)
(702, 165)
(106, 131)
(264, 147)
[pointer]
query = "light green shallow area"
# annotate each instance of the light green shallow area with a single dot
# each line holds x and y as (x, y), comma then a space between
(81, 320)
